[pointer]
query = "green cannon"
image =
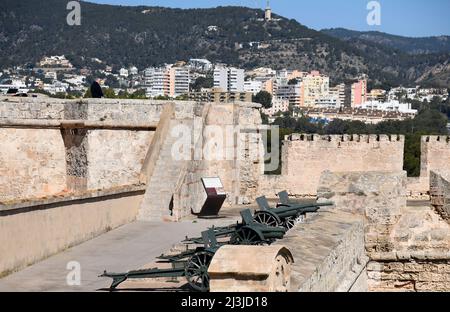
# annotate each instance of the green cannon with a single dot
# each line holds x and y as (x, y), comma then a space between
(248, 232)
(192, 265)
(285, 214)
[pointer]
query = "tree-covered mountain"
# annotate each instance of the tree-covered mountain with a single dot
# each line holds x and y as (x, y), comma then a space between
(146, 36)
(424, 45)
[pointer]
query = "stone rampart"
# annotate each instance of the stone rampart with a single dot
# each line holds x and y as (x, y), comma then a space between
(305, 157)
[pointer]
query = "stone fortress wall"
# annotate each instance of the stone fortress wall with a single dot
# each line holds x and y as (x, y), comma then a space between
(408, 246)
(71, 174)
(45, 162)
(306, 157)
(55, 174)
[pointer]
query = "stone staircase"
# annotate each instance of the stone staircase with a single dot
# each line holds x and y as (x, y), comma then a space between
(158, 197)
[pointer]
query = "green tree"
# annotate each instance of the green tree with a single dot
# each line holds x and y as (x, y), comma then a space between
(202, 82)
(264, 98)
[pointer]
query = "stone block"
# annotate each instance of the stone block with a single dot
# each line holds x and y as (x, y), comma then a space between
(232, 271)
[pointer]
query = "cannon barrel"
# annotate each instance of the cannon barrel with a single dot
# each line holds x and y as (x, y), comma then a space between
(119, 278)
(284, 211)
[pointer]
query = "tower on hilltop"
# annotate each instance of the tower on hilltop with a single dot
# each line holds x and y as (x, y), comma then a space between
(268, 14)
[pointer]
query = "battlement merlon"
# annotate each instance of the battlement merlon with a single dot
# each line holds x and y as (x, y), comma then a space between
(358, 138)
(436, 139)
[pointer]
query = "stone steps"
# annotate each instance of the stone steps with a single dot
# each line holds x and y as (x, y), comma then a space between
(162, 184)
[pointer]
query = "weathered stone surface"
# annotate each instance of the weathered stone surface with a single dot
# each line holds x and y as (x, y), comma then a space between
(32, 163)
(330, 249)
(305, 157)
(231, 270)
(440, 192)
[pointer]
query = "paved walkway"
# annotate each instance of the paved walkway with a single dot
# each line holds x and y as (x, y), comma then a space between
(126, 248)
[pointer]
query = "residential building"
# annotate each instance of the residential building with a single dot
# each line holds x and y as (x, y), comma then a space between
(339, 91)
(328, 102)
(392, 106)
(179, 81)
(51, 75)
(229, 79)
(253, 86)
(290, 92)
(314, 87)
(218, 96)
(376, 95)
(123, 72)
(353, 114)
(278, 105)
(170, 81)
(201, 65)
(359, 93)
(157, 81)
(55, 61)
(133, 71)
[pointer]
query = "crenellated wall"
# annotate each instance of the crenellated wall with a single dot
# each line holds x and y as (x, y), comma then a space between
(305, 157)
(435, 154)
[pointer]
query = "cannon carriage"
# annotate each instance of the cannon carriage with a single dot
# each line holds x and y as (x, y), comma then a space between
(248, 232)
(285, 214)
(193, 265)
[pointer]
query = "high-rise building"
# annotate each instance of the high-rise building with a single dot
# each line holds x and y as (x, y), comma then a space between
(229, 79)
(338, 93)
(171, 81)
(290, 92)
(359, 93)
(180, 80)
(314, 87)
(157, 81)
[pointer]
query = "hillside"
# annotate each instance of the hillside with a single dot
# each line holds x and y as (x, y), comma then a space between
(123, 36)
(424, 45)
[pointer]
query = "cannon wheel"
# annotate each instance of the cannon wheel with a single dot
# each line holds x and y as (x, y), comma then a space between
(264, 217)
(246, 236)
(196, 271)
(290, 222)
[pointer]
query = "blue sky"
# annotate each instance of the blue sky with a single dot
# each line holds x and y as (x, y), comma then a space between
(414, 18)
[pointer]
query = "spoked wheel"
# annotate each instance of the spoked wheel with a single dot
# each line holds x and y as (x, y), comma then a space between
(197, 271)
(290, 222)
(246, 236)
(268, 219)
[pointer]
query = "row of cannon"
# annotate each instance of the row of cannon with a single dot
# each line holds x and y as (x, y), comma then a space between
(263, 227)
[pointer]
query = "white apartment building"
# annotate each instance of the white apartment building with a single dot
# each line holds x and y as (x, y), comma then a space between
(201, 65)
(229, 79)
(171, 81)
(328, 102)
(278, 105)
(391, 106)
(51, 75)
(133, 70)
(253, 86)
(57, 87)
(123, 72)
(157, 81)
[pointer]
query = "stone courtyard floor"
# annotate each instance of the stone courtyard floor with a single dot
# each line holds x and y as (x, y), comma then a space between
(129, 247)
